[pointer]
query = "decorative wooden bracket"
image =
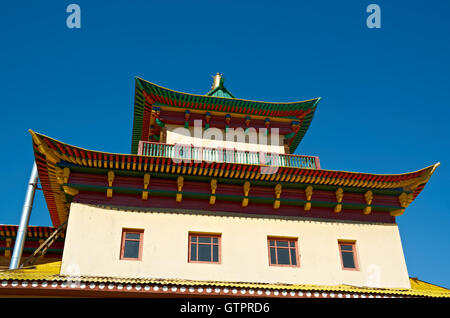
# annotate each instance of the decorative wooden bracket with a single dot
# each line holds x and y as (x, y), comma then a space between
(62, 177)
(278, 189)
(212, 198)
(267, 125)
(146, 183)
(247, 123)
(246, 191)
(368, 196)
(207, 120)
(227, 122)
(308, 194)
(339, 197)
(8, 245)
(70, 191)
(65, 175)
(180, 181)
(187, 115)
(397, 212)
(109, 191)
(405, 199)
(59, 175)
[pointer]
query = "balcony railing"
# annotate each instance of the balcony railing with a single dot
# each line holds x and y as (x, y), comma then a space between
(186, 153)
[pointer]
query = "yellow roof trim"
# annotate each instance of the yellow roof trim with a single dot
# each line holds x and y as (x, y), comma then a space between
(50, 272)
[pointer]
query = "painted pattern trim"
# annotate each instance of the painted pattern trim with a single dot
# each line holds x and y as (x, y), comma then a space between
(45, 277)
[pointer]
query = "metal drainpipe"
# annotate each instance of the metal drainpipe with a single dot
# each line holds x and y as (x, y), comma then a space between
(26, 211)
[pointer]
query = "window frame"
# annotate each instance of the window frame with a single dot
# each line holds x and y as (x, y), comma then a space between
(123, 239)
(355, 255)
(285, 239)
(209, 235)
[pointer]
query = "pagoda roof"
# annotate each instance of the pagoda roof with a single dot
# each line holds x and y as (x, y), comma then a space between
(47, 276)
(219, 100)
(49, 153)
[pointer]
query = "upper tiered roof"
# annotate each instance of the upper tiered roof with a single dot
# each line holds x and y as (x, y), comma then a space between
(219, 99)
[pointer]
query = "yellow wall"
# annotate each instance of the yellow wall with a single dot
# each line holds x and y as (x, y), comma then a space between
(94, 237)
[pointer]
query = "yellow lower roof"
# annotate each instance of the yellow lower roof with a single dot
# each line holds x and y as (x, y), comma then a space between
(50, 272)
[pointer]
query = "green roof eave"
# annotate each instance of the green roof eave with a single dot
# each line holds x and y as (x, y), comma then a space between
(304, 127)
(217, 103)
(139, 104)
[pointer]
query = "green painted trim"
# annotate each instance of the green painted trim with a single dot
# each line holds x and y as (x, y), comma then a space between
(159, 122)
(228, 197)
(288, 185)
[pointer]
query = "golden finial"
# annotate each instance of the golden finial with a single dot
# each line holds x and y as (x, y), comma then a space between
(217, 80)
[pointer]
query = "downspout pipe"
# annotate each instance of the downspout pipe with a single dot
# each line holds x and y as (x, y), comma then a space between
(25, 218)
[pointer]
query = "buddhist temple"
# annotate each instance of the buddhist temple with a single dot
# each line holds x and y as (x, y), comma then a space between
(213, 202)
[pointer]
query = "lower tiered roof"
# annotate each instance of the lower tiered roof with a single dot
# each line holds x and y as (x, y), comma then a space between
(391, 193)
(45, 279)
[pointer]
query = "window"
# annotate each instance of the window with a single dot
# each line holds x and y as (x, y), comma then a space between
(131, 248)
(348, 255)
(283, 252)
(204, 248)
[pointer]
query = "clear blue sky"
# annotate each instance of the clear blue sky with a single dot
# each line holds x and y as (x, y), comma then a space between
(386, 92)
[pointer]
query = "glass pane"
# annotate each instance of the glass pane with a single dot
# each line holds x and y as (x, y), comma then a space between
(215, 240)
(293, 257)
(215, 253)
(273, 257)
(131, 249)
(346, 247)
(204, 253)
(292, 244)
(272, 243)
(133, 236)
(204, 239)
(348, 260)
(193, 238)
(193, 252)
(282, 243)
(283, 256)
